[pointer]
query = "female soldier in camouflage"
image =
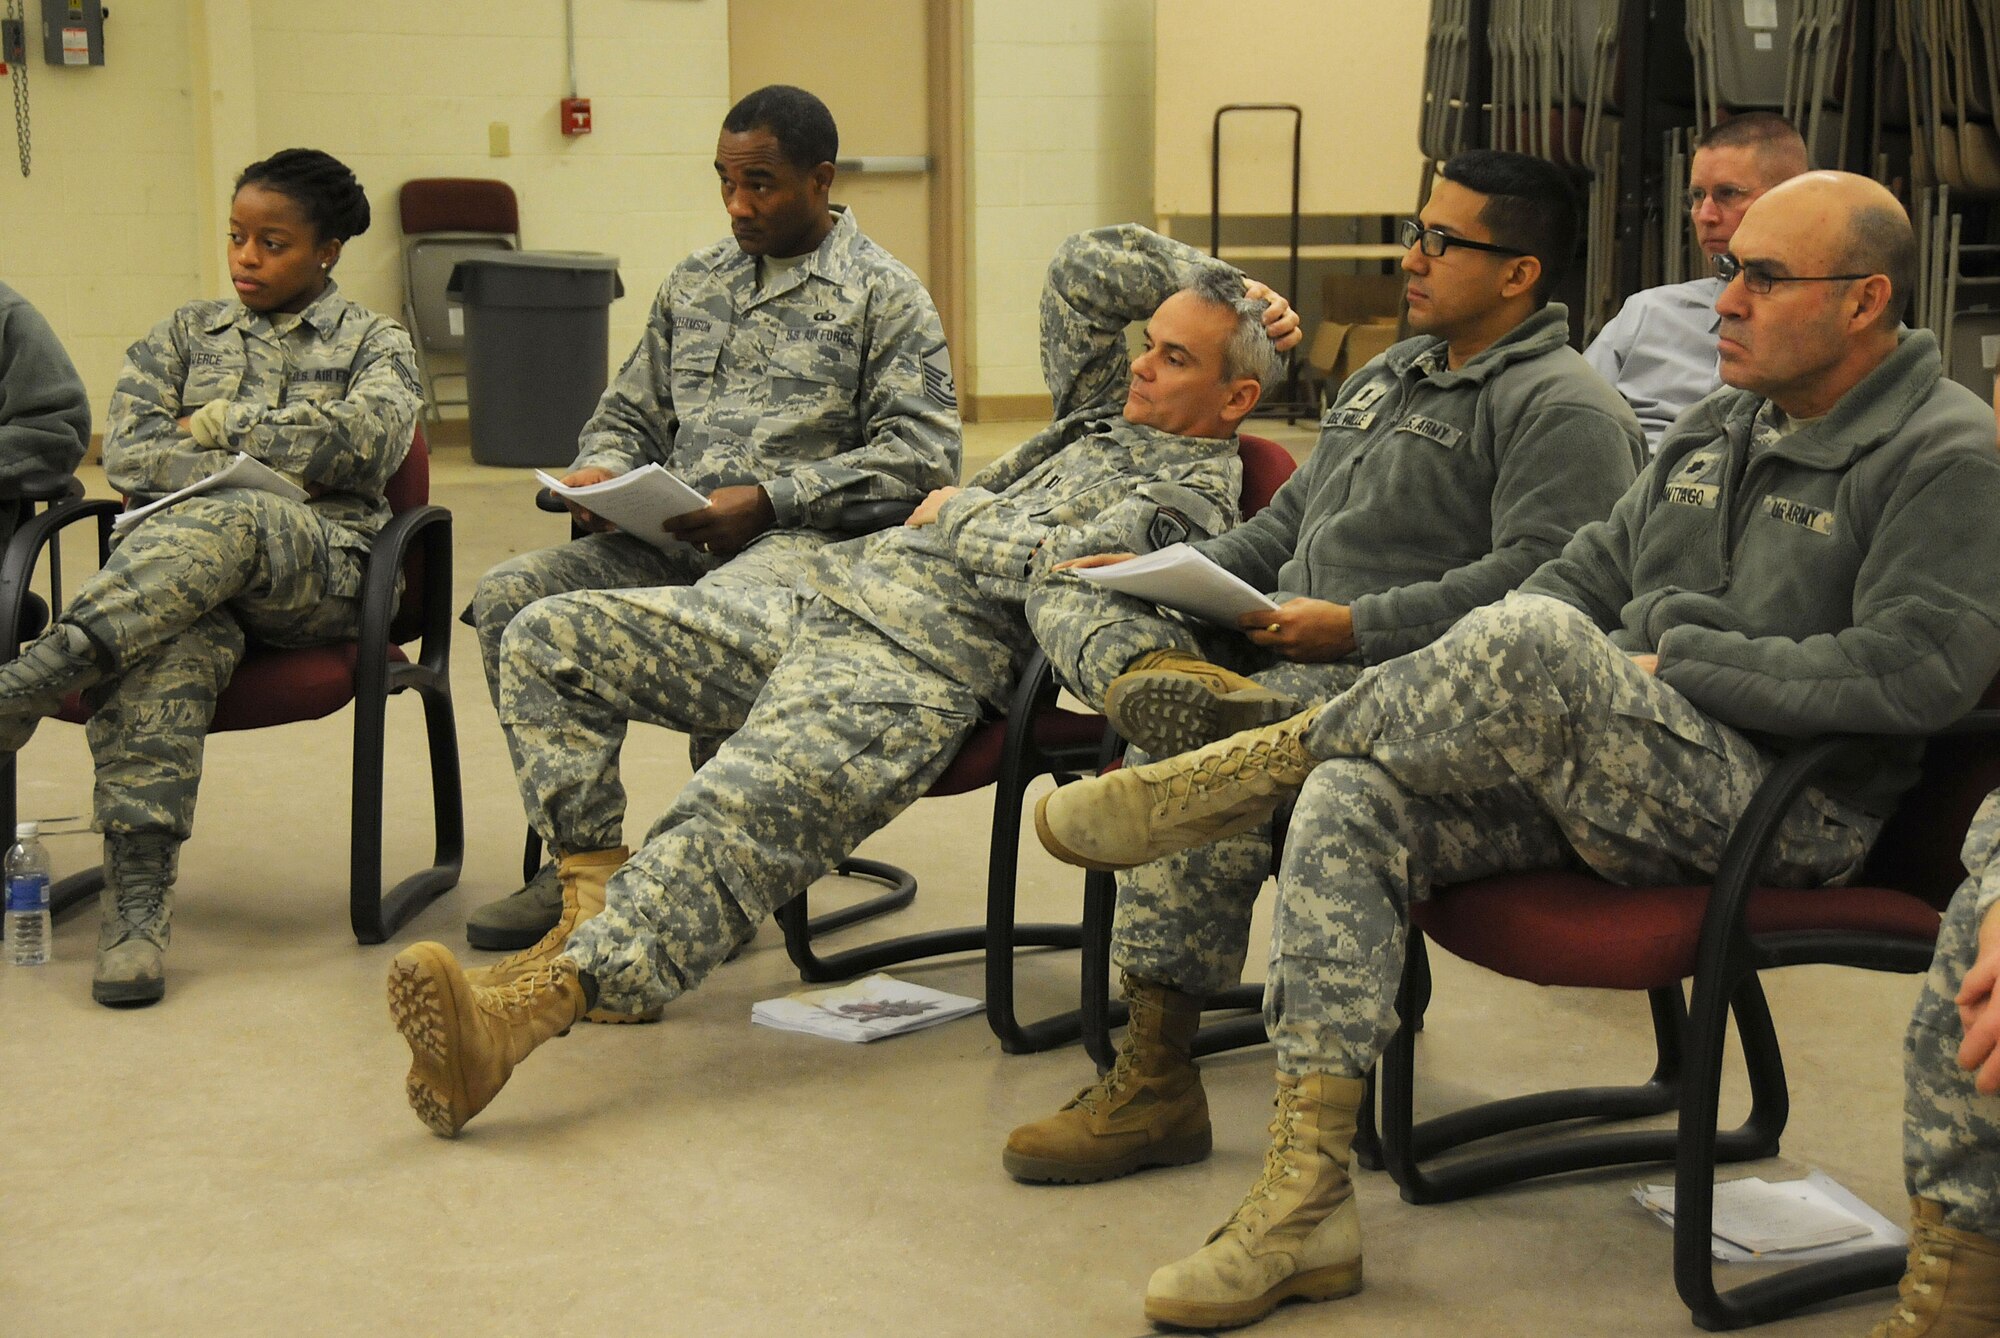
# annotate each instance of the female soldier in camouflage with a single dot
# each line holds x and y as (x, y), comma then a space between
(292, 374)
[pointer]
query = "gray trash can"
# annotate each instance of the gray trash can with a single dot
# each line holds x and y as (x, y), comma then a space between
(537, 334)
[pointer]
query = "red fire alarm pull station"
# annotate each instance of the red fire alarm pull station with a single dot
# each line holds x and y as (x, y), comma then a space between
(575, 116)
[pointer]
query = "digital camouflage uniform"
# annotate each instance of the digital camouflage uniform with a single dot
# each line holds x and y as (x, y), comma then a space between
(330, 398)
(1841, 577)
(1430, 492)
(828, 385)
(906, 638)
(44, 411)
(1951, 1133)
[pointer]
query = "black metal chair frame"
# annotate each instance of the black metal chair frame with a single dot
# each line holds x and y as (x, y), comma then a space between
(375, 915)
(1686, 1077)
(1023, 758)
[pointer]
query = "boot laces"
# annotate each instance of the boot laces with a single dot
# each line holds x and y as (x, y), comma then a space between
(136, 911)
(1110, 1085)
(1214, 769)
(1278, 1167)
(521, 992)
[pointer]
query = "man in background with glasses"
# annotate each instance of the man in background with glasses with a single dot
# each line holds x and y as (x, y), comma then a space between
(1447, 470)
(1811, 553)
(1659, 350)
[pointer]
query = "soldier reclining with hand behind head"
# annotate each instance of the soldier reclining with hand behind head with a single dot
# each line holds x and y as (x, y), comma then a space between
(1449, 469)
(908, 636)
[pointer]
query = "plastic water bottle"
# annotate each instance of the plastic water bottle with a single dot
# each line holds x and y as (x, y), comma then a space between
(28, 931)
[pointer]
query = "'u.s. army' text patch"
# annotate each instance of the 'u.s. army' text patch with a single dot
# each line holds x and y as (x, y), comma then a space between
(1817, 519)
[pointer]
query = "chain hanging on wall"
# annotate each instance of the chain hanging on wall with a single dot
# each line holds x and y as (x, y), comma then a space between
(17, 71)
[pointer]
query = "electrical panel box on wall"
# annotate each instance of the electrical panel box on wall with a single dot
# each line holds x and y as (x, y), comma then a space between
(73, 32)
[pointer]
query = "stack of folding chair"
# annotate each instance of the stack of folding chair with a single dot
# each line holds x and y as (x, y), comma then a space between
(1554, 95)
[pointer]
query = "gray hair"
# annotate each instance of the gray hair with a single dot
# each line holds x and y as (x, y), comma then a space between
(1880, 240)
(1249, 351)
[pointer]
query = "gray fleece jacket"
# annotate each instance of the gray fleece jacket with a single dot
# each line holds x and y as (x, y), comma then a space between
(44, 412)
(1432, 491)
(1842, 578)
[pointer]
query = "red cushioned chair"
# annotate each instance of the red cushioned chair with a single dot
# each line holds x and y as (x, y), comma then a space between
(1569, 928)
(1036, 738)
(277, 687)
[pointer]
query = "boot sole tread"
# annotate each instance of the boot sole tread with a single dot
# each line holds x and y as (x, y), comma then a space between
(1168, 715)
(1320, 1284)
(426, 1021)
(1045, 1171)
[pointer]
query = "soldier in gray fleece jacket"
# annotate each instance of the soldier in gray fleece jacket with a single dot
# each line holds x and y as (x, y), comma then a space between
(44, 413)
(1814, 551)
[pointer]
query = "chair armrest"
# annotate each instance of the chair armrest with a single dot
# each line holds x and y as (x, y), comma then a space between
(24, 551)
(41, 485)
(549, 502)
(857, 518)
(429, 526)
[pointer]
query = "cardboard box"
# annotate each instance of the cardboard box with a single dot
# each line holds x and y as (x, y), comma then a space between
(1360, 315)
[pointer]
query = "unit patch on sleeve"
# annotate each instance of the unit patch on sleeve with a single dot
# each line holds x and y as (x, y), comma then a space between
(1169, 527)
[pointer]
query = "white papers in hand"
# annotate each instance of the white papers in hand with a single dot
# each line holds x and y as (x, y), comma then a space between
(865, 1010)
(635, 501)
(1179, 577)
(242, 472)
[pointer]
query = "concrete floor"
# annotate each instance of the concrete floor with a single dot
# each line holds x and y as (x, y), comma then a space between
(240, 1160)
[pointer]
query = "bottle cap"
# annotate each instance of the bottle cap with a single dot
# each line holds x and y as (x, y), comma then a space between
(26, 830)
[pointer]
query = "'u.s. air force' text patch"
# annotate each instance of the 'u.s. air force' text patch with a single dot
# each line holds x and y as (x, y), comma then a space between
(937, 378)
(1816, 519)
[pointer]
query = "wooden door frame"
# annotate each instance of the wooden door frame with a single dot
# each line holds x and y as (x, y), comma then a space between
(950, 224)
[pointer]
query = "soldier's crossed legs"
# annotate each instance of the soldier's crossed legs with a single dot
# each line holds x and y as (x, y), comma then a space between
(172, 608)
(1519, 738)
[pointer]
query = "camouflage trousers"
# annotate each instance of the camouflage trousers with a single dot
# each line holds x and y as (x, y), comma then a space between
(849, 731)
(1951, 1133)
(1521, 739)
(172, 609)
(575, 669)
(1091, 635)
(610, 561)
(1184, 920)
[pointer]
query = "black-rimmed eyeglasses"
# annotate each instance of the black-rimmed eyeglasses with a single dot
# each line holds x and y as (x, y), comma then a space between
(1435, 243)
(1760, 280)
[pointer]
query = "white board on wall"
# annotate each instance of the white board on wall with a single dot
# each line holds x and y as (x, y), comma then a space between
(1356, 68)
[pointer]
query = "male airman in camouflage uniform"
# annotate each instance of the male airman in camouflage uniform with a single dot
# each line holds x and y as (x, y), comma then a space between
(1951, 1113)
(908, 637)
(794, 375)
(1449, 469)
(1810, 553)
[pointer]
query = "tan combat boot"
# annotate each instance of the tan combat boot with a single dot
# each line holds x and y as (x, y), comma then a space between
(1951, 1288)
(583, 876)
(1296, 1236)
(135, 918)
(1169, 702)
(465, 1039)
(1147, 1110)
(1135, 815)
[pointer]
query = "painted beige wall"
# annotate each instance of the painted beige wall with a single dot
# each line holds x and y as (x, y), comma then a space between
(1062, 139)
(101, 236)
(121, 220)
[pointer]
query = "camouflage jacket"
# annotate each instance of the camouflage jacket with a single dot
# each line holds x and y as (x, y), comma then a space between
(332, 403)
(1091, 482)
(44, 411)
(830, 385)
(1433, 491)
(1840, 578)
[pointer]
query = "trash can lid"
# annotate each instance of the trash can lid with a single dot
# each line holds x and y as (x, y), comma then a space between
(577, 260)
